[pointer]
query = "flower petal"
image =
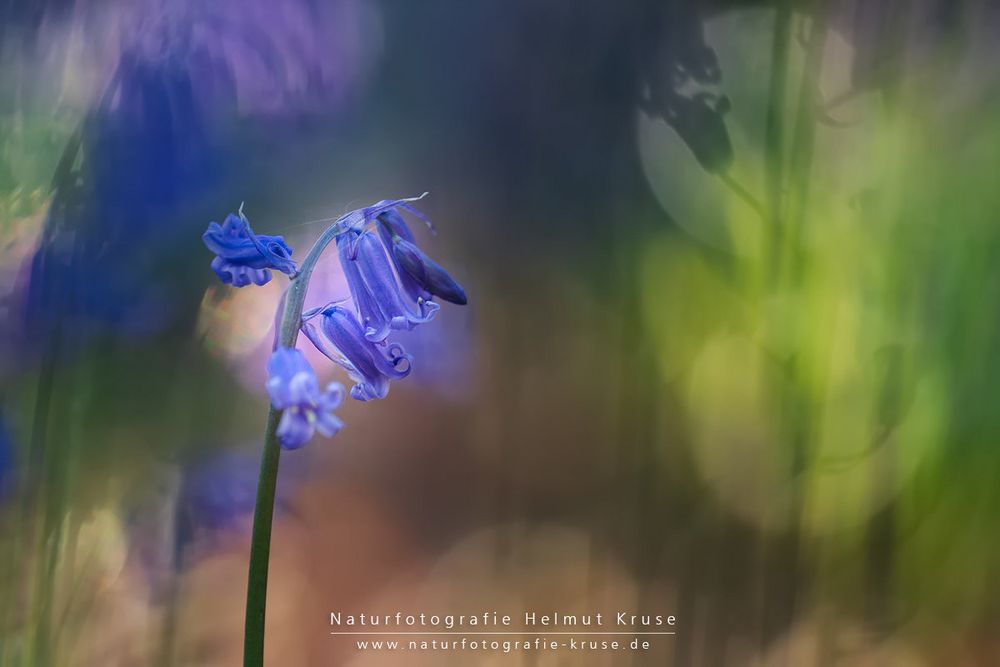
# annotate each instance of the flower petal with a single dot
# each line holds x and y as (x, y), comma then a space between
(393, 224)
(244, 257)
(295, 429)
(285, 365)
(380, 281)
(328, 424)
(372, 318)
(303, 388)
(371, 370)
(426, 272)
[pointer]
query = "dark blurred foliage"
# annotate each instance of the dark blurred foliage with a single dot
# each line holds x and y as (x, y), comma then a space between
(676, 58)
(537, 98)
(880, 31)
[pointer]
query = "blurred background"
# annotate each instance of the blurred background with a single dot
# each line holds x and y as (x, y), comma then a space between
(730, 354)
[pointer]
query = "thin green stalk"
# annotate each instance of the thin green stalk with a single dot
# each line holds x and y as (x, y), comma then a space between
(737, 189)
(774, 132)
(777, 600)
(804, 140)
(260, 542)
(794, 199)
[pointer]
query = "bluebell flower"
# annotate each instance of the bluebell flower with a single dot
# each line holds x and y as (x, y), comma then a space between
(244, 257)
(425, 272)
(392, 224)
(420, 276)
(293, 388)
(370, 365)
(393, 282)
(377, 294)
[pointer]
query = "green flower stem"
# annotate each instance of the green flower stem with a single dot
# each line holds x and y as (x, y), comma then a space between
(803, 142)
(260, 542)
(774, 139)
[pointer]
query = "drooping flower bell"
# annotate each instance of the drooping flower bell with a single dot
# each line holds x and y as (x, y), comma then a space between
(293, 388)
(392, 283)
(375, 289)
(420, 276)
(243, 257)
(370, 365)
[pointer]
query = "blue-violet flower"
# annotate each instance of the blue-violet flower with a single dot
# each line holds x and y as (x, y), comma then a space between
(426, 272)
(376, 292)
(370, 365)
(420, 276)
(244, 257)
(293, 388)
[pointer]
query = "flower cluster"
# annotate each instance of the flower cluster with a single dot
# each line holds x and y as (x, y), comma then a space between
(392, 283)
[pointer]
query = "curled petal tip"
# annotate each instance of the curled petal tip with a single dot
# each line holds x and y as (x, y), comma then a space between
(366, 361)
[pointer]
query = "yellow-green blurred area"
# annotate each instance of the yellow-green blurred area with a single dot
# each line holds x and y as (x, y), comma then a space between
(731, 352)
